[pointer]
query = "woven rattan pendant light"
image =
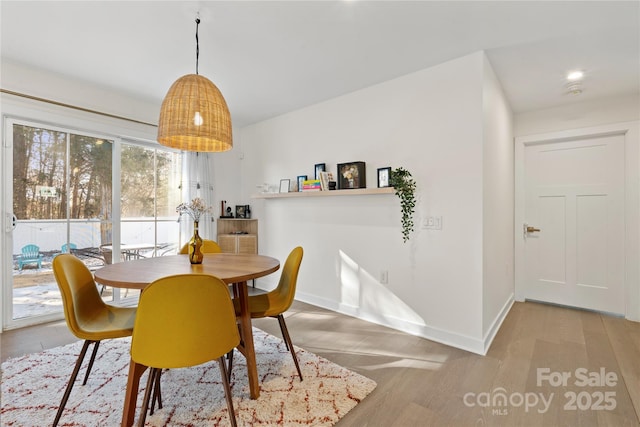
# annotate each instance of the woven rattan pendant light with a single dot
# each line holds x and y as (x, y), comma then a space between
(194, 115)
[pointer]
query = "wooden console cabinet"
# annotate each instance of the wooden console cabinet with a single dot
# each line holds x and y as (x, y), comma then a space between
(238, 236)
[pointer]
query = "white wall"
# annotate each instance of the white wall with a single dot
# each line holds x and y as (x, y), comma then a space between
(581, 114)
(431, 123)
(32, 81)
(498, 200)
(228, 176)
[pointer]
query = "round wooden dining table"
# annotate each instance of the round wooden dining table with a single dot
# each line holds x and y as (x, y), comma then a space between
(233, 269)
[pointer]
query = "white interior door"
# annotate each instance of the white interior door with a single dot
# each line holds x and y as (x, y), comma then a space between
(574, 196)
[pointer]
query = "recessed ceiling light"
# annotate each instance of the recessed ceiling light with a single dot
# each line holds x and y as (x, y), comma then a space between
(575, 75)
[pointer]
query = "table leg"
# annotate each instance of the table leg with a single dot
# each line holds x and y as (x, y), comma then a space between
(247, 338)
(131, 396)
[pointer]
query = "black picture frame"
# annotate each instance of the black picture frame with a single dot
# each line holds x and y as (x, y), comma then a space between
(301, 179)
(319, 167)
(384, 177)
(352, 175)
(241, 211)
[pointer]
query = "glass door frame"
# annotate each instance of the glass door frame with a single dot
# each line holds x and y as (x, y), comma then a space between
(6, 248)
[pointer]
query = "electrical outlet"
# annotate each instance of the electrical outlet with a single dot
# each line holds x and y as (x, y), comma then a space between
(384, 277)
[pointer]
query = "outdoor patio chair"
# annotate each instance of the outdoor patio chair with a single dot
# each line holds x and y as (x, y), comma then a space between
(106, 254)
(166, 249)
(68, 248)
(30, 255)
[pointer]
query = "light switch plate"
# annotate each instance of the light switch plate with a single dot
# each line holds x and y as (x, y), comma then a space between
(432, 223)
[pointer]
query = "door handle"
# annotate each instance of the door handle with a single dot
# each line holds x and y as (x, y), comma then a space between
(526, 229)
(11, 222)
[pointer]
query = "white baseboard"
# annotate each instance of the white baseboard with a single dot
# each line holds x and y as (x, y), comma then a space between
(497, 322)
(463, 342)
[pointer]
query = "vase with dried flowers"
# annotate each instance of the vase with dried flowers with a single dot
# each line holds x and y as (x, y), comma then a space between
(196, 209)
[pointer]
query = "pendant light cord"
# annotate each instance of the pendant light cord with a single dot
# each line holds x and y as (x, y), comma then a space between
(197, 44)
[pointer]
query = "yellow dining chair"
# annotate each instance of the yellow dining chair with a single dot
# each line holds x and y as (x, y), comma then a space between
(201, 327)
(87, 315)
(208, 247)
(277, 301)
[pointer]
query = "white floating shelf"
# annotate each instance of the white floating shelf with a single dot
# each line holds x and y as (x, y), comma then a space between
(354, 192)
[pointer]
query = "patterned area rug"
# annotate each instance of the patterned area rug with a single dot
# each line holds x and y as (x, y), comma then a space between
(32, 387)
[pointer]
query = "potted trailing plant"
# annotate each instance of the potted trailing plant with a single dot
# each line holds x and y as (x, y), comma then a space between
(405, 188)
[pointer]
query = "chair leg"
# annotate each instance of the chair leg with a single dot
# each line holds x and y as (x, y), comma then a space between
(147, 395)
(93, 358)
(288, 343)
(72, 380)
(229, 369)
(230, 354)
(157, 393)
(227, 390)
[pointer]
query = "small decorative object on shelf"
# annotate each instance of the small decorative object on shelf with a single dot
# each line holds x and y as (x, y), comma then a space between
(383, 177)
(284, 185)
(352, 175)
(319, 167)
(405, 188)
(243, 211)
(225, 212)
(196, 209)
(325, 178)
(311, 185)
(301, 180)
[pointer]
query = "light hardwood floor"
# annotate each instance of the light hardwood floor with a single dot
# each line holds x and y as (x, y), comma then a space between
(423, 383)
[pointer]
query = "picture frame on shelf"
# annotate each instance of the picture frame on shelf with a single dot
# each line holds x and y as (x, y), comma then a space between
(352, 175)
(325, 178)
(284, 185)
(384, 177)
(301, 180)
(319, 167)
(241, 211)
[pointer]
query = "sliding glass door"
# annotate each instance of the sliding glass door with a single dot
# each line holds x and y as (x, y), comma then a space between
(150, 191)
(62, 199)
(89, 195)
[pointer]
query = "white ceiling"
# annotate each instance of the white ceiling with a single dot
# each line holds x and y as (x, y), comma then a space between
(269, 57)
